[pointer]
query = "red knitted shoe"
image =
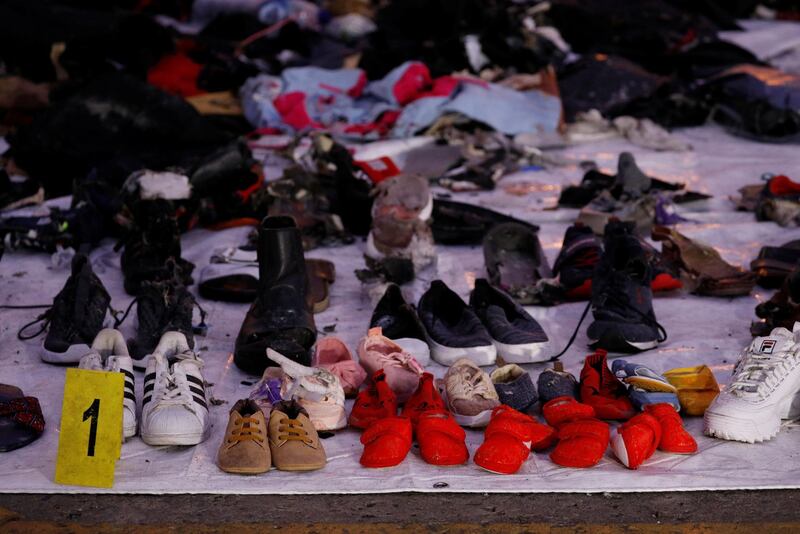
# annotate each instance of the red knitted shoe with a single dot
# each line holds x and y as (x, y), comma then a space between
(636, 440)
(602, 390)
(386, 442)
(424, 399)
(581, 443)
(441, 440)
(376, 402)
(508, 440)
(674, 438)
(564, 410)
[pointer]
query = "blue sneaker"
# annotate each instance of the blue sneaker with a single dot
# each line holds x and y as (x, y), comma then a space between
(641, 377)
(641, 398)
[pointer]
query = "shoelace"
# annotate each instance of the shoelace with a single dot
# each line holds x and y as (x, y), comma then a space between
(292, 430)
(199, 329)
(403, 360)
(615, 298)
(174, 388)
(467, 388)
(246, 430)
(43, 318)
(758, 374)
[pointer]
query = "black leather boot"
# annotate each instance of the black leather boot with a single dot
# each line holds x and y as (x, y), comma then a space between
(281, 317)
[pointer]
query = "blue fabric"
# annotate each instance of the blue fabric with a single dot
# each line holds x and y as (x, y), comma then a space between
(640, 398)
(327, 102)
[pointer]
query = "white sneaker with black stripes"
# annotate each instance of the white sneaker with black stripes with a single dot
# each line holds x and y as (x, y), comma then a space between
(110, 353)
(174, 403)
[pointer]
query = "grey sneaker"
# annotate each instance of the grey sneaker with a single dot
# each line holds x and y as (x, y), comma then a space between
(515, 387)
(556, 382)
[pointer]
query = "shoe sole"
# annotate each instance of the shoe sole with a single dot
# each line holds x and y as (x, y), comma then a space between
(480, 420)
(755, 429)
(193, 438)
(616, 342)
(481, 356)
(523, 353)
(72, 355)
(620, 450)
(245, 470)
(129, 432)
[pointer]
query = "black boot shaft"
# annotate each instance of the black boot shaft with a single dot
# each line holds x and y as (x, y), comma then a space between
(280, 255)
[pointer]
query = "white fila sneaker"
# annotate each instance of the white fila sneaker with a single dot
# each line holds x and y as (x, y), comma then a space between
(175, 404)
(110, 353)
(764, 390)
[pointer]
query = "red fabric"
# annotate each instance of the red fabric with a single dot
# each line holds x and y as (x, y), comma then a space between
(386, 442)
(374, 403)
(424, 399)
(379, 169)
(665, 282)
(412, 82)
(292, 107)
(381, 126)
(562, 410)
(441, 440)
(176, 74)
(509, 438)
(602, 390)
(358, 88)
(24, 411)
(637, 440)
(674, 438)
(782, 185)
(581, 443)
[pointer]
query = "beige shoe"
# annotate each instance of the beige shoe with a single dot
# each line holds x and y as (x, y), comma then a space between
(293, 441)
(245, 450)
(471, 396)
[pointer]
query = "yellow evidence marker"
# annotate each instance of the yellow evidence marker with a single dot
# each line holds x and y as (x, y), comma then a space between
(91, 428)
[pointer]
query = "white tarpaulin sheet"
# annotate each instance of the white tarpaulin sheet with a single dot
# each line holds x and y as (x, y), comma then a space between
(701, 330)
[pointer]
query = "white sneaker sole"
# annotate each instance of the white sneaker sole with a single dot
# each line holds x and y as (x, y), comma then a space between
(481, 356)
(523, 353)
(473, 421)
(129, 431)
(755, 428)
(72, 355)
(193, 438)
(620, 450)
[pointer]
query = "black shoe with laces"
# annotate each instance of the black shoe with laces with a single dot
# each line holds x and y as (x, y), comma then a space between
(576, 261)
(162, 306)
(622, 300)
(153, 240)
(76, 316)
(397, 318)
(516, 335)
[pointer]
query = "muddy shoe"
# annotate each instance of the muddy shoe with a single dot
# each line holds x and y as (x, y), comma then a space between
(774, 264)
(622, 300)
(782, 310)
(711, 274)
(515, 261)
(401, 223)
(281, 317)
(293, 441)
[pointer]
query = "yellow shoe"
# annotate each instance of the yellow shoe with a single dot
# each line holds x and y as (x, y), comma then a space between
(697, 388)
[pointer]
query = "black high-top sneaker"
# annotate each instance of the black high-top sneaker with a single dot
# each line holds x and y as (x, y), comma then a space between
(77, 315)
(622, 301)
(281, 317)
(154, 240)
(162, 306)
